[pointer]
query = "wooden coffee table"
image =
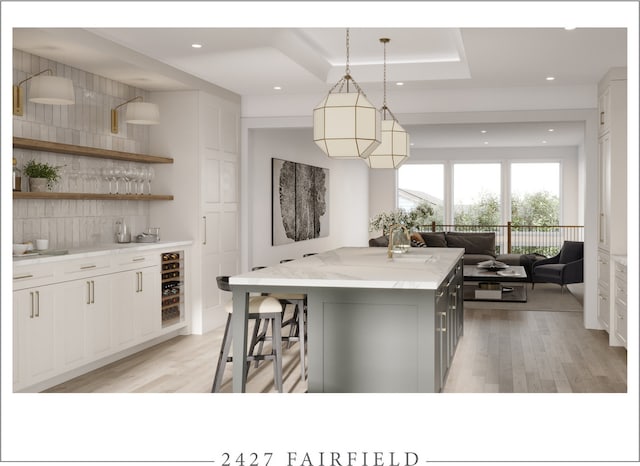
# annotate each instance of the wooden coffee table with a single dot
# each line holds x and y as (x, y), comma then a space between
(509, 277)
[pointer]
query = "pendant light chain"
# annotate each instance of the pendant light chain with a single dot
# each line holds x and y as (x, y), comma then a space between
(347, 69)
(384, 73)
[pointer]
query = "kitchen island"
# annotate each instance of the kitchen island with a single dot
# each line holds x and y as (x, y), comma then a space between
(375, 324)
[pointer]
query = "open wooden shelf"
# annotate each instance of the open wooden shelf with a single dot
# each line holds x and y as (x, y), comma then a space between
(60, 148)
(90, 196)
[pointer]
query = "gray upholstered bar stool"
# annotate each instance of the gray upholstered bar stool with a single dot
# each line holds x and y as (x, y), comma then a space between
(299, 303)
(260, 308)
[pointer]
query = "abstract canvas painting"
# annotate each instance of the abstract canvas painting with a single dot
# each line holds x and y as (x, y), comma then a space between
(300, 202)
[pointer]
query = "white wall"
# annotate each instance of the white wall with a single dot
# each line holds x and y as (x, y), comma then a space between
(348, 191)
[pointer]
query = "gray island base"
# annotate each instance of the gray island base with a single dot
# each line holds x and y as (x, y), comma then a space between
(375, 325)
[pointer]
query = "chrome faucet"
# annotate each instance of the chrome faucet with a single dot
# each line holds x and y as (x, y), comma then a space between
(392, 229)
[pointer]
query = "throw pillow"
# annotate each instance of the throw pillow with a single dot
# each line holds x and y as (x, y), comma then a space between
(416, 241)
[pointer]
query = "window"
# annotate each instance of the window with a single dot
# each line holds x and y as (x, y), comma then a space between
(476, 194)
(535, 193)
(422, 183)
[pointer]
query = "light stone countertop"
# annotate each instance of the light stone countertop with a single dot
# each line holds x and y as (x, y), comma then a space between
(366, 267)
(97, 250)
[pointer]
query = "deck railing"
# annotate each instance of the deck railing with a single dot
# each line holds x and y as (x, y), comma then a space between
(522, 239)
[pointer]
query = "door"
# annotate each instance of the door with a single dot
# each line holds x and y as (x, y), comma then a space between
(34, 335)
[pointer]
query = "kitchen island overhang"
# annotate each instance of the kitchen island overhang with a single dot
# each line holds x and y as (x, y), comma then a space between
(374, 324)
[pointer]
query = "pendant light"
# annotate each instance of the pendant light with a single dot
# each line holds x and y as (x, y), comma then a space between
(345, 124)
(394, 148)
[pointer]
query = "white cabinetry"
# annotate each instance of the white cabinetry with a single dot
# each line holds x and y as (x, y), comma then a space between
(136, 300)
(72, 313)
(620, 302)
(612, 214)
(200, 131)
(33, 335)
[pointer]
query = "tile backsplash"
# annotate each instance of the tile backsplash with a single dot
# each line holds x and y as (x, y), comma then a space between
(76, 223)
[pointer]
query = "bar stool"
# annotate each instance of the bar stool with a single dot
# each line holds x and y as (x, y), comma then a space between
(299, 302)
(260, 308)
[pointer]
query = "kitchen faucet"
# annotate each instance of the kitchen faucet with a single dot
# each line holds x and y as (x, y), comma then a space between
(392, 230)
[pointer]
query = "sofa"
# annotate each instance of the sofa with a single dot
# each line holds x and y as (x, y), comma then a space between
(478, 247)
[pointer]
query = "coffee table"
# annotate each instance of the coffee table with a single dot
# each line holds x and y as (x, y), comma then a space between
(511, 275)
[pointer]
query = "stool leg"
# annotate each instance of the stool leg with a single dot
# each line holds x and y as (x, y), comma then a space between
(222, 358)
(276, 343)
(301, 341)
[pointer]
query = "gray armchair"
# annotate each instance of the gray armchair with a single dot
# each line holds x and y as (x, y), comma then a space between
(564, 268)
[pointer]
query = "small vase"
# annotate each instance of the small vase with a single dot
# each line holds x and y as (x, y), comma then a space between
(38, 185)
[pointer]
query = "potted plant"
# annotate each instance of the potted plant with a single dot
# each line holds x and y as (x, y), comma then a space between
(42, 176)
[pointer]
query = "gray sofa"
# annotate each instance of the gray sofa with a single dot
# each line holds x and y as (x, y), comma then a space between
(478, 246)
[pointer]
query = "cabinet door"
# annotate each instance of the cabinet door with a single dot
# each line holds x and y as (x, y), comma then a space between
(71, 301)
(34, 335)
(604, 107)
(123, 291)
(136, 305)
(147, 303)
(604, 307)
(98, 317)
(604, 155)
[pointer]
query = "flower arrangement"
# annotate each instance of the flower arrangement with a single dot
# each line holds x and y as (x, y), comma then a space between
(412, 219)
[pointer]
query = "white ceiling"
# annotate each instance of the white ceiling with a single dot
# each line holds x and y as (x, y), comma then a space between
(251, 61)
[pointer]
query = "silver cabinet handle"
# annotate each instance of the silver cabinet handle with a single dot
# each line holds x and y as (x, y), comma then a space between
(33, 304)
(37, 304)
(443, 327)
(23, 276)
(84, 267)
(140, 281)
(138, 259)
(602, 118)
(204, 217)
(88, 292)
(93, 292)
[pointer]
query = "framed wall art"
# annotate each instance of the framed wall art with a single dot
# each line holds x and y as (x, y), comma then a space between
(300, 202)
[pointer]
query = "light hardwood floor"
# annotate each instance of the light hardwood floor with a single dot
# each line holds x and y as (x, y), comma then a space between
(501, 351)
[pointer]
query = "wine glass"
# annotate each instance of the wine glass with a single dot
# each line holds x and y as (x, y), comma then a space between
(149, 176)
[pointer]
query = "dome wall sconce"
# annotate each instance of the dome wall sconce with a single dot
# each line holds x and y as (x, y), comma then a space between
(138, 113)
(51, 90)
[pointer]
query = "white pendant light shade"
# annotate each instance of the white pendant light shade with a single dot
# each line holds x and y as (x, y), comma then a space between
(394, 148)
(346, 126)
(142, 113)
(51, 90)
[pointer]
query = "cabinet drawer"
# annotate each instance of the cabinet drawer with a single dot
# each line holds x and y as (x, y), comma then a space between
(620, 323)
(621, 291)
(136, 261)
(86, 267)
(32, 275)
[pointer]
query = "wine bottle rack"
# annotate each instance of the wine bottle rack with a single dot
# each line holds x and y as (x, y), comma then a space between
(172, 270)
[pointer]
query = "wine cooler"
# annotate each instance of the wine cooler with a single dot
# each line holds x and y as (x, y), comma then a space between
(172, 288)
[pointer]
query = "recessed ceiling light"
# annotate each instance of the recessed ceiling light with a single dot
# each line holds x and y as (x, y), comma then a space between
(196, 46)
(551, 130)
(412, 144)
(483, 131)
(277, 88)
(550, 78)
(400, 84)
(544, 142)
(486, 142)
(569, 28)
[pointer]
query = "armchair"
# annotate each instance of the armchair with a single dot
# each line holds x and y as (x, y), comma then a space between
(564, 268)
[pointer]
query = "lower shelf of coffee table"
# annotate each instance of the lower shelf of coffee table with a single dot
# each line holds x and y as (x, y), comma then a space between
(518, 293)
